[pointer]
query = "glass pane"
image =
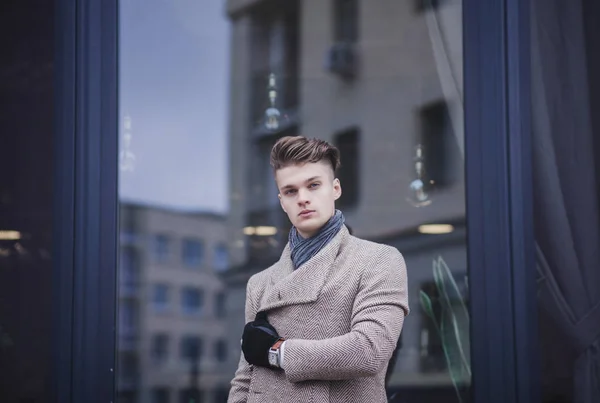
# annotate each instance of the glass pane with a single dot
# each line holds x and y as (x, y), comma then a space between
(206, 89)
(565, 91)
(26, 201)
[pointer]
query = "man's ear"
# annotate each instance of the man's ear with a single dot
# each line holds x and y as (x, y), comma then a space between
(337, 189)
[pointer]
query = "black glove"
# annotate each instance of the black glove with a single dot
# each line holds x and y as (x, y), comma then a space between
(259, 336)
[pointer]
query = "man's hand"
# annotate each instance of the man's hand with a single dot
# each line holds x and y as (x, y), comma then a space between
(258, 337)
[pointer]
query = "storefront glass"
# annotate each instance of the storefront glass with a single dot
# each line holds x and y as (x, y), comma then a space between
(206, 88)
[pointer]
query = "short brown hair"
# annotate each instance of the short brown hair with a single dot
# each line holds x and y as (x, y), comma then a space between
(293, 150)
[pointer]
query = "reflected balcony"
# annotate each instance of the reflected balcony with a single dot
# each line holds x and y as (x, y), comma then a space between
(285, 105)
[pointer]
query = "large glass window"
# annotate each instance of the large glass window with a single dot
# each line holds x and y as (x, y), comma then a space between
(206, 90)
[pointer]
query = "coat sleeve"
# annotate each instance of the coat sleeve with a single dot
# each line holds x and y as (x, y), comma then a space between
(377, 317)
(240, 385)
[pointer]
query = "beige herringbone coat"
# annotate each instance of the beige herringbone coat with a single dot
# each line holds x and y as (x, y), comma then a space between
(341, 312)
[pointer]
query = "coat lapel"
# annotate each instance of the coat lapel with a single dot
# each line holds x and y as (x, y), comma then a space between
(291, 287)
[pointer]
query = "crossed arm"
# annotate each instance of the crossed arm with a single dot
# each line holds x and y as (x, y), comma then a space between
(377, 317)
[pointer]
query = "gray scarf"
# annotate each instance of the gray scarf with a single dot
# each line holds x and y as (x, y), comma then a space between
(302, 249)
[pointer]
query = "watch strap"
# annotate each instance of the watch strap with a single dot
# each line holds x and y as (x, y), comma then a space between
(277, 345)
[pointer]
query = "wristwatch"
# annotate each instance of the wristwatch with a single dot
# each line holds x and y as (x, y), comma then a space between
(274, 359)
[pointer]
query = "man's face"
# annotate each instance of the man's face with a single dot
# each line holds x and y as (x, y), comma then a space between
(307, 194)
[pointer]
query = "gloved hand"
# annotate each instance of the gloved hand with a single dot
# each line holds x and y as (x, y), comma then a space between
(258, 337)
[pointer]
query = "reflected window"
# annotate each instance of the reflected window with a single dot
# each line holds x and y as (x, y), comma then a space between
(129, 369)
(346, 20)
(160, 347)
(221, 350)
(221, 257)
(160, 248)
(220, 305)
(349, 172)
(440, 148)
(160, 297)
(191, 348)
(160, 395)
(192, 251)
(128, 317)
(129, 268)
(192, 300)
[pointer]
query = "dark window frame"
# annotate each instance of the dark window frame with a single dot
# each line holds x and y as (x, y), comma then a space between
(504, 346)
(86, 247)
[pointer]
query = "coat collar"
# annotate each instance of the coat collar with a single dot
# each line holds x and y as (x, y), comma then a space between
(291, 287)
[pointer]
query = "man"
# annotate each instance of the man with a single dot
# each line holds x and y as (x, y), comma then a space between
(322, 322)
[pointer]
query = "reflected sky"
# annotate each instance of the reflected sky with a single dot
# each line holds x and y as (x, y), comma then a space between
(174, 66)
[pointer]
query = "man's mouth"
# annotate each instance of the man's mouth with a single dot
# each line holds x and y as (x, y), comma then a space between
(305, 213)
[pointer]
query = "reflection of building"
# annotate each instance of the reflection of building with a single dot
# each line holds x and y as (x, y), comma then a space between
(377, 81)
(171, 305)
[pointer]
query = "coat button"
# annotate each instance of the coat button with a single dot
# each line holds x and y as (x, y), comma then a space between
(279, 295)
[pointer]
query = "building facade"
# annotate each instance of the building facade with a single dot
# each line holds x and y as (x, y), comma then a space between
(172, 305)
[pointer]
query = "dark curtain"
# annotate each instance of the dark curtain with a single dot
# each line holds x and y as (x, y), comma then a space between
(567, 226)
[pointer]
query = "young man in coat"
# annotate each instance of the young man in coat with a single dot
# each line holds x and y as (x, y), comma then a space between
(322, 322)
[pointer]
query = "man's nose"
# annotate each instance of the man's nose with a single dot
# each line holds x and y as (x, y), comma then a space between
(303, 196)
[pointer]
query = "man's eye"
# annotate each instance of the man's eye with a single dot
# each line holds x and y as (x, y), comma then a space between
(314, 185)
(287, 192)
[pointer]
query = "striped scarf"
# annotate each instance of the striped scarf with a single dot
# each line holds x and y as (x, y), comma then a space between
(302, 250)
